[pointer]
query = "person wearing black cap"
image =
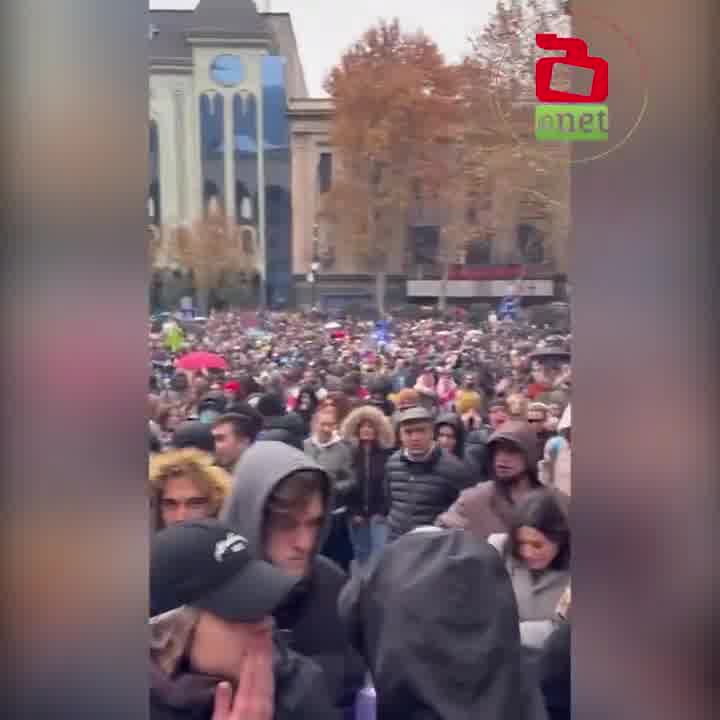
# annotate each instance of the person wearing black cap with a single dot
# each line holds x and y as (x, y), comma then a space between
(214, 654)
(423, 479)
(193, 434)
(488, 507)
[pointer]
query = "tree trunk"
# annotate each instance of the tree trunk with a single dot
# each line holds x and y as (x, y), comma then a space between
(203, 300)
(380, 290)
(442, 297)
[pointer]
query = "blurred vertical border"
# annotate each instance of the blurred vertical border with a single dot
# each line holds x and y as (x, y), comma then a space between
(645, 400)
(74, 310)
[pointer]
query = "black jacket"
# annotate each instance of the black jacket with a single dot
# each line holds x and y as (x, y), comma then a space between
(288, 429)
(476, 454)
(300, 692)
(368, 494)
(313, 618)
(554, 668)
(420, 491)
(436, 620)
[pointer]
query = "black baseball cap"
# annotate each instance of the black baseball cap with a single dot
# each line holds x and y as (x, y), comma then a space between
(207, 565)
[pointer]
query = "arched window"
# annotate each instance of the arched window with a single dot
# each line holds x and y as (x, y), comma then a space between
(246, 157)
(248, 242)
(530, 244)
(154, 189)
(212, 129)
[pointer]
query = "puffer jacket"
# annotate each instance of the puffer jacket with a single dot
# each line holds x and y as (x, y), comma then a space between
(421, 490)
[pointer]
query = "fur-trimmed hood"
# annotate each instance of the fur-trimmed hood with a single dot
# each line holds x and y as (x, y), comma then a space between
(368, 413)
(195, 463)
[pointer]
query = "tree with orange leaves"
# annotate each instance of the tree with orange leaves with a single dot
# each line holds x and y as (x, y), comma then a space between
(395, 106)
(210, 248)
(506, 168)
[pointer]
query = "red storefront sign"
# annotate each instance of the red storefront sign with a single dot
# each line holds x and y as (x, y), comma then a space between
(496, 272)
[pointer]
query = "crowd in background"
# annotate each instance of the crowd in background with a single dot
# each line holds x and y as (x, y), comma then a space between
(412, 477)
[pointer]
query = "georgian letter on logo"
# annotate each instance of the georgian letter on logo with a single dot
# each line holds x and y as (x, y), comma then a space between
(576, 55)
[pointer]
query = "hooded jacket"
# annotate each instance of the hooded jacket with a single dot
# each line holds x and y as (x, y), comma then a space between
(313, 617)
(476, 452)
(335, 458)
(368, 493)
(487, 508)
(288, 429)
(421, 489)
(178, 693)
(436, 621)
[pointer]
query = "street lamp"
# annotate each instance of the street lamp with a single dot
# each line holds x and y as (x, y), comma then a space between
(314, 265)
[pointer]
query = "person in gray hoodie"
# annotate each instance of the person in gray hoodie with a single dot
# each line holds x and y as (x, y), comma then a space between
(281, 502)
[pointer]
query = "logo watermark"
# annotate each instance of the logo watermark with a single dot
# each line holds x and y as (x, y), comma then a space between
(566, 116)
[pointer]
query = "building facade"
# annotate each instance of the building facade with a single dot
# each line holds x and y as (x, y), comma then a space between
(220, 79)
(232, 126)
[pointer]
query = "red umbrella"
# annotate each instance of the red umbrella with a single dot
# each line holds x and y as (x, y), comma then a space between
(201, 361)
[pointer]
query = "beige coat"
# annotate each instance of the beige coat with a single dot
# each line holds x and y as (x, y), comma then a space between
(538, 597)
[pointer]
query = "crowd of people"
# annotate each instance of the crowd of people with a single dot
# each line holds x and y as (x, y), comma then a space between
(358, 519)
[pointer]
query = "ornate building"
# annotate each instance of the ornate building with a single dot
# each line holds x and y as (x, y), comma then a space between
(220, 79)
(232, 126)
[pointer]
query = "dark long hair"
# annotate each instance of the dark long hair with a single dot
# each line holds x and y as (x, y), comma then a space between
(542, 512)
(454, 422)
(314, 402)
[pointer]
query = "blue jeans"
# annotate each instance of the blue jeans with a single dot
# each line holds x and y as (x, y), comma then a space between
(368, 539)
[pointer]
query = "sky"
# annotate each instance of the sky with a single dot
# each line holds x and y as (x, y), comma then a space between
(325, 28)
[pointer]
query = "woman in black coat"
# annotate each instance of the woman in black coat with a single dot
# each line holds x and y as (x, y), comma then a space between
(371, 436)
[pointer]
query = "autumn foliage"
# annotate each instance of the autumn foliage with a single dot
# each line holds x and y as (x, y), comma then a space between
(209, 248)
(395, 107)
(411, 129)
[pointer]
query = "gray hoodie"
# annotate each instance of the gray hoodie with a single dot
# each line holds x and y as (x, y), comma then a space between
(316, 630)
(261, 468)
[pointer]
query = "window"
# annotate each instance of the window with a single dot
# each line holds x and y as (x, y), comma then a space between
(248, 245)
(325, 172)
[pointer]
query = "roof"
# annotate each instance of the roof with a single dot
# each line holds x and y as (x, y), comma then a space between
(230, 16)
(221, 18)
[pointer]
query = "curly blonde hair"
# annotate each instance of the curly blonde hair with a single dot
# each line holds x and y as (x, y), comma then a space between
(192, 463)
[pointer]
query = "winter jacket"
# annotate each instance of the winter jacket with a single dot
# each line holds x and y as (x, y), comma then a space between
(300, 692)
(420, 490)
(487, 508)
(313, 619)
(368, 494)
(336, 459)
(554, 670)
(537, 595)
(436, 621)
